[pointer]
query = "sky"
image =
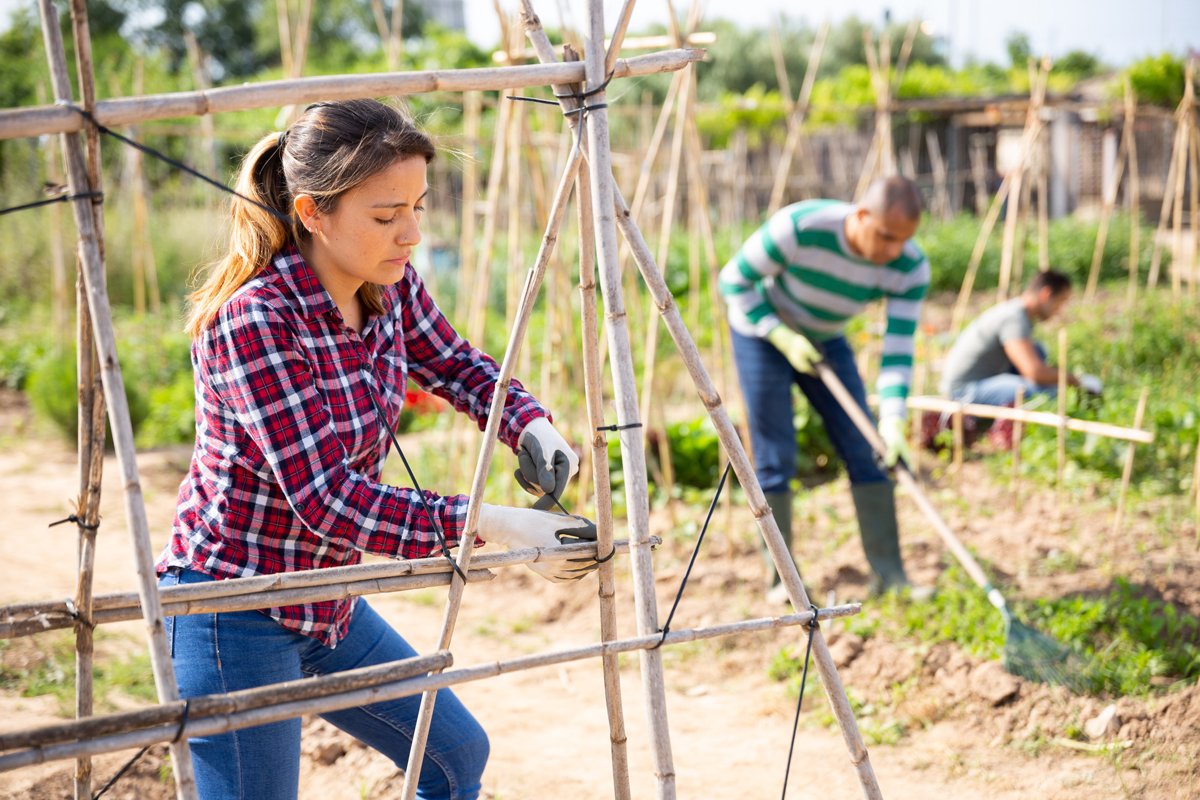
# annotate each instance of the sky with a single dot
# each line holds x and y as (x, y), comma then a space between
(1119, 31)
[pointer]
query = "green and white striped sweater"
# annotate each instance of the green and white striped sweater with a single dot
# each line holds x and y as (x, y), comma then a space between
(799, 270)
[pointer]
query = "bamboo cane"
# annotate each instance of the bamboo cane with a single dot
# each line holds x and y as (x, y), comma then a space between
(1194, 247)
(114, 393)
(533, 282)
(941, 191)
(1196, 486)
(1017, 436)
(379, 687)
(199, 61)
(58, 261)
(1043, 219)
(796, 111)
(91, 412)
(1110, 201)
(1062, 415)
(265, 591)
(513, 203)
(214, 705)
(784, 565)
(26, 122)
(1135, 205)
(957, 422)
(1127, 469)
(472, 111)
(477, 318)
(593, 395)
(943, 405)
(625, 394)
(1166, 211)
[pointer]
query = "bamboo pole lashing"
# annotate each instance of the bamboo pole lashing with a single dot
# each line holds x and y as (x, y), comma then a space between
(91, 255)
(1127, 467)
(390, 690)
(116, 112)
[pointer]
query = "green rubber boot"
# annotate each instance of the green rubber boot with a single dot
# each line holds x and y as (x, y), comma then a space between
(781, 507)
(875, 504)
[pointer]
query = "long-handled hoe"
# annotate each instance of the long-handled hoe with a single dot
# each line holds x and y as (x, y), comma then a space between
(1027, 652)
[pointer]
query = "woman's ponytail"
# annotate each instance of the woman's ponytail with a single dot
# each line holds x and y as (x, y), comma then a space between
(255, 235)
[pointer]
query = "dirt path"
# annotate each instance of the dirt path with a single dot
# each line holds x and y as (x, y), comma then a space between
(729, 721)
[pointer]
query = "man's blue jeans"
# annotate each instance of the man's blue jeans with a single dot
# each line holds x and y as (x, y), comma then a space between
(216, 653)
(767, 378)
(1001, 390)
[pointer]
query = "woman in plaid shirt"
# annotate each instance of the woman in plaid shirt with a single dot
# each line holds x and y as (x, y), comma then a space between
(301, 334)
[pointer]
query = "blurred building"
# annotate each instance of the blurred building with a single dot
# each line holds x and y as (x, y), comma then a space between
(447, 13)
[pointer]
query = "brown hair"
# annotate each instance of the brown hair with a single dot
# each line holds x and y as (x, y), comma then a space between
(332, 148)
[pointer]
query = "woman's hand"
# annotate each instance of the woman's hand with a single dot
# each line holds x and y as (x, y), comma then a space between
(517, 528)
(545, 462)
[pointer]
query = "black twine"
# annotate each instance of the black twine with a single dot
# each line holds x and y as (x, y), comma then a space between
(78, 521)
(624, 427)
(150, 151)
(813, 624)
(183, 720)
(695, 552)
(62, 198)
(121, 772)
(437, 527)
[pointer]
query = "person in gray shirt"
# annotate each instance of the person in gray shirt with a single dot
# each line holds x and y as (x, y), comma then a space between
(997, 353)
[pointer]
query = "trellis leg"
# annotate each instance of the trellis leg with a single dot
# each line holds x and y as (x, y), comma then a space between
(830, 681)
(601, 481)
(633, 454)
(114, 392)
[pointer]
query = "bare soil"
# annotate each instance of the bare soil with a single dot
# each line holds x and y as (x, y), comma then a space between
(959, 727)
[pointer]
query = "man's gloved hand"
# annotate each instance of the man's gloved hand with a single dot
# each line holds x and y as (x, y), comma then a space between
(894, 432)
(796, 348)
(545, 462)
(516, 528)
(1091, 384)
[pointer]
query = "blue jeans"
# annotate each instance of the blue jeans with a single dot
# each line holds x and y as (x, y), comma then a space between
(216, 653)
(767, 378)
(1001, 390)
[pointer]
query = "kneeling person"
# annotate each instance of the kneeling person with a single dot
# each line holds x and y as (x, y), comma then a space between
(997, 353)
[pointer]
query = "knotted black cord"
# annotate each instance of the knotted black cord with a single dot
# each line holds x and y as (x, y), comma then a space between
(627, 426)
(77, 521)
(437, 526)
(695, 552)
(62, 198)
(150, 151)
(813, 624)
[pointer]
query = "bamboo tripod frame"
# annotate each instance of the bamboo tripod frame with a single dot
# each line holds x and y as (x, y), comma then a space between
(607, 211)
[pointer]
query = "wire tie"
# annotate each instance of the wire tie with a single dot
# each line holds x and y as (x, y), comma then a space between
(183, 720)
(625, 427)
(77, 521)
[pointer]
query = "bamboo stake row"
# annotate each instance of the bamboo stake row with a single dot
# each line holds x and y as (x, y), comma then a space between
(375, 686)
(92, 257)
(25, 122)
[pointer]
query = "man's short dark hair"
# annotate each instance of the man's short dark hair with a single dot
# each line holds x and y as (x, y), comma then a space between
(1057, 282)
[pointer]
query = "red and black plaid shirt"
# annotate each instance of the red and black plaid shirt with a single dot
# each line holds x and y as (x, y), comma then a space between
(289, 447)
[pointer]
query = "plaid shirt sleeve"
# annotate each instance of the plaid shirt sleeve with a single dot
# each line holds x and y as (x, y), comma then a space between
(446, 364)
(254, 362)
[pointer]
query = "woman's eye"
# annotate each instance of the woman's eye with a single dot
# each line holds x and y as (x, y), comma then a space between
(388, 221)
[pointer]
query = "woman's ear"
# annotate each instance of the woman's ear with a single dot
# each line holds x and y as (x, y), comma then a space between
(306, 210)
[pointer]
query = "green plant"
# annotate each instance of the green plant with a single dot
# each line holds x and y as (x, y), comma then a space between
(53, 394)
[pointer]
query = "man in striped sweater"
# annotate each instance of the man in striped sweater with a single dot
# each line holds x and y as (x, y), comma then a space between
(790, 291)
